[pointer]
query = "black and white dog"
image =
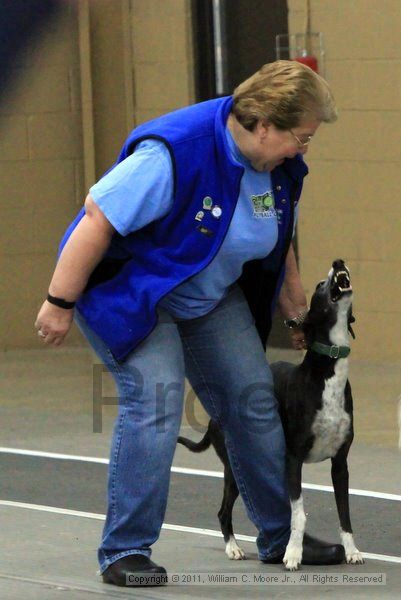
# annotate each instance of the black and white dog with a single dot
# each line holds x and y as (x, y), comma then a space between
(315, 405)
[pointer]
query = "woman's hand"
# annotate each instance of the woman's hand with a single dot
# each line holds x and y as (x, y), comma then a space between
(53, 323)
(297, 338)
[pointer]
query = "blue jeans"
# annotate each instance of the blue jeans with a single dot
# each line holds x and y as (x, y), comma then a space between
(223, 358)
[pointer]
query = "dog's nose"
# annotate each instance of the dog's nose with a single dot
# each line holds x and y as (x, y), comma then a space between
(338, 264)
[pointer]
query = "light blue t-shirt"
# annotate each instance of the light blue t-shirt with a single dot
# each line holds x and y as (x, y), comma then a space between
(140, 189)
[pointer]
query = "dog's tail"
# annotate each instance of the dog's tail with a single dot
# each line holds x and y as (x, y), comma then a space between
(196, 447)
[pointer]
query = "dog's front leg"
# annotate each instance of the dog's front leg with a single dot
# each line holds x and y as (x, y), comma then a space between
(340, 478)
(293, 553)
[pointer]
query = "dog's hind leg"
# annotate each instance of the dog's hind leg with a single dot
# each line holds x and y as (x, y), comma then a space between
(339, 475)
(233, 551)
(293, 553)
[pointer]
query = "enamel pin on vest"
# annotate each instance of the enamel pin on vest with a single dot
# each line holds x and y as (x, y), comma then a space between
(217, 212)
(207, 203)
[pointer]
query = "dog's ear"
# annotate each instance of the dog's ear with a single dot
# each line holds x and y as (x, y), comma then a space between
(308, 327)
(351, 319)
(308, 320)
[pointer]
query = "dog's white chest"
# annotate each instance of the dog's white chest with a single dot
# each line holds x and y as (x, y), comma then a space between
(332, 423)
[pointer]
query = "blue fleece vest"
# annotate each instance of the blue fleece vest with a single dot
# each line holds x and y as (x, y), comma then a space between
(139, 269)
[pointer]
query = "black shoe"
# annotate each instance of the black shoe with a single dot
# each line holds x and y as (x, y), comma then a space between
(315, 552)
(135, 570)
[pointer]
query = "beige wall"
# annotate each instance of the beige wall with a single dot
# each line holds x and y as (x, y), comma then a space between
(132, 60)
(351, 203)
(40, 173)
(162, 55)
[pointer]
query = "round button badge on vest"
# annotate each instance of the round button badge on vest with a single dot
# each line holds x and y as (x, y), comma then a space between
(217, 212)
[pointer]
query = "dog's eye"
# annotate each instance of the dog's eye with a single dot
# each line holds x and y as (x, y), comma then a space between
(320, 284)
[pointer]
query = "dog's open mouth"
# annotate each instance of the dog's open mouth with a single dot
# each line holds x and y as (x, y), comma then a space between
(340, 284)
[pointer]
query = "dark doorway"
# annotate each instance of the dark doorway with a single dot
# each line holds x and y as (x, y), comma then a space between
(250, 28)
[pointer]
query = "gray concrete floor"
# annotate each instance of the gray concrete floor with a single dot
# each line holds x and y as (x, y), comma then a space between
(47, 405)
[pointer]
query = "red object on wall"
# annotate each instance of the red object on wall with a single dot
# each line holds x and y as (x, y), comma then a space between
(309, 61)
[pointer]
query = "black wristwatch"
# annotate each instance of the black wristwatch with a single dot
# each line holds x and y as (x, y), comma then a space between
(296, 321)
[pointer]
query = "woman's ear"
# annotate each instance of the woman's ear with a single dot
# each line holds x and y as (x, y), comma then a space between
(262, 127)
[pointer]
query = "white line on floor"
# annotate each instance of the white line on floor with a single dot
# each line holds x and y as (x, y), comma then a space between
(40, 454)
(187, 471)
(180, 528)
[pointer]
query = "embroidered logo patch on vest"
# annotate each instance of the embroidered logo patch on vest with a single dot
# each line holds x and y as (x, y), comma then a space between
(263, 205)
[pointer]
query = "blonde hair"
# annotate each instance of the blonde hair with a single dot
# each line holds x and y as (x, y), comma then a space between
(284, 93)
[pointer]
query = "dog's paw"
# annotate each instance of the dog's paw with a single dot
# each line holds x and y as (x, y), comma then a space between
(233, 551)
(292, 558)
(354, 557)
(352, 554)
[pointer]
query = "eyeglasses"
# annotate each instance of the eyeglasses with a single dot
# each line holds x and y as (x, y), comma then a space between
(300, 143)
